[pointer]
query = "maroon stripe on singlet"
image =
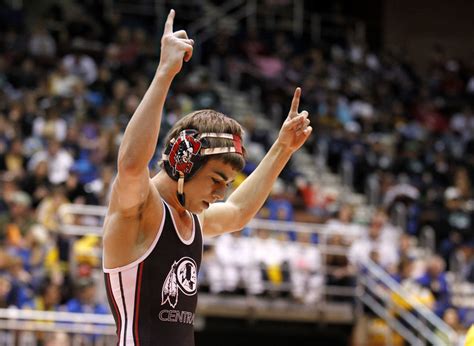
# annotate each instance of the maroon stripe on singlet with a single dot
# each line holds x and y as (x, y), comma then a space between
(136, 317)
(115, 311)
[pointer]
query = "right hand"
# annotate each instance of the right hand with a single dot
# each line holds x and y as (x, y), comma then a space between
(175, 47)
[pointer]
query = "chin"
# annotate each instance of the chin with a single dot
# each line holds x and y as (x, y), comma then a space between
(195, 209)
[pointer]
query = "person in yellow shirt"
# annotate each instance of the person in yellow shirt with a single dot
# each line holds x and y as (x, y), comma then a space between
(470, 337)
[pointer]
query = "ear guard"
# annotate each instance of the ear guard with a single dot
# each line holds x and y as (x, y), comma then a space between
(185, 154)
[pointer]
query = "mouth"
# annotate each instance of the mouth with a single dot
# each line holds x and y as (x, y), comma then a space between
(206, 204)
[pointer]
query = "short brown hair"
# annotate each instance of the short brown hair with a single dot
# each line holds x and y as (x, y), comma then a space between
(208, 120)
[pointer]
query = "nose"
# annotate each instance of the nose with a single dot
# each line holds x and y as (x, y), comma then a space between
(218, 194)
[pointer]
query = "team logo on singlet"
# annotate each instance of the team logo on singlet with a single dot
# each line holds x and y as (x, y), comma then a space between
(181, 277)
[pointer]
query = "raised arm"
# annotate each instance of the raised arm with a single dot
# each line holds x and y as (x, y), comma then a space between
(139, 141)
(248, 198)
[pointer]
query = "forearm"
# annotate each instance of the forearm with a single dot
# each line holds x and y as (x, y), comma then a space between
(250, 196)
(141, 134)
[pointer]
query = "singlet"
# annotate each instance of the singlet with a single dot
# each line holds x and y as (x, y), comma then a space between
(153, 299)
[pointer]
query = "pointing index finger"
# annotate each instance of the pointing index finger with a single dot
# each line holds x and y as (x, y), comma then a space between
(169, 23)
(295, 102)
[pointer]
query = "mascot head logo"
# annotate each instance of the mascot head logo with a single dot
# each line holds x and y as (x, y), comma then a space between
(181, 277)
(187, 276)
(181, 156)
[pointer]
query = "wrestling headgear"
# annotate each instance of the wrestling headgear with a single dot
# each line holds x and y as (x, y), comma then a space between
(185, 154)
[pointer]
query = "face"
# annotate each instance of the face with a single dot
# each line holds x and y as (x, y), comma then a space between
(53, 147)
(87, 294)
(5, 287)
(451, 317)
(345, 214)
(52, 295)
(209, 185)
(435, 267)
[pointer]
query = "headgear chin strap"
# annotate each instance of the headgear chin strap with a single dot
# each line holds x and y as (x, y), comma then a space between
(185, 155)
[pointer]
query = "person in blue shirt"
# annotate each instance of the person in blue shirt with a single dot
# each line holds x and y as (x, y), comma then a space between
(85, 298)
(434, 279)
(48, 297)
(85, 301)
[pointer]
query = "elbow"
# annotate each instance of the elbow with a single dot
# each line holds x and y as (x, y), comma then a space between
(243, 219)
(241, 215)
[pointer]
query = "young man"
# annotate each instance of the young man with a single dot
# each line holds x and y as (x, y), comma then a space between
(152, 232)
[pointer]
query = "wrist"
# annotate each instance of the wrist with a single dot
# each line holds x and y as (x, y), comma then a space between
(164, 72)
(282, 148)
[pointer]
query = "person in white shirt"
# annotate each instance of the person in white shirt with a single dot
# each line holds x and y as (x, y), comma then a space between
(344, 225)
(305, 269)
(41, 43)
(232, 254)
(376, 245)
(51, 124)
(59, 161)
(81, 65)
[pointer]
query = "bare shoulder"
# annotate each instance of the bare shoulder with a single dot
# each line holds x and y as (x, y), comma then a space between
(128, 233)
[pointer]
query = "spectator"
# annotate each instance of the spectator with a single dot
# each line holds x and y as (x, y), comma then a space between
(434, 279)
(61, 82)
(48, 297)
(375, 244)
(271, 259)
(278, 206)
(306, 276)
(51, 125)
(7, 294)
(344, 224)
(14, 161)
(85, 300)
(59, 161)
(229, 270)
(81, 65)
(48, 209)
(41, 43)
(32, 250)
(455, 223)
(18, 220)
(339, 271)
(451, 318)
(36, 183)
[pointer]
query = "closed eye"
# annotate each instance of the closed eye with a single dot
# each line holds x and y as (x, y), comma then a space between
(216, 181)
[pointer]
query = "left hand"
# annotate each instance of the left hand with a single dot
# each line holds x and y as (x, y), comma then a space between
(295, 130)
(176, 47)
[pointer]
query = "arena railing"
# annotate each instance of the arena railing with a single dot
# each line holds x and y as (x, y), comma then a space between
(29, 327)
(402, 312)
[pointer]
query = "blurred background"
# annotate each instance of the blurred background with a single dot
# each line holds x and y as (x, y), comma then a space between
(367, 237)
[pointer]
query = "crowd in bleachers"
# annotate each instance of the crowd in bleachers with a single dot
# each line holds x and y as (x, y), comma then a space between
(69, 82)
(67, 90)
(406, 132)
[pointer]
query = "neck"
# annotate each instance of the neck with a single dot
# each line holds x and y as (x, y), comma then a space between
(168, 188)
